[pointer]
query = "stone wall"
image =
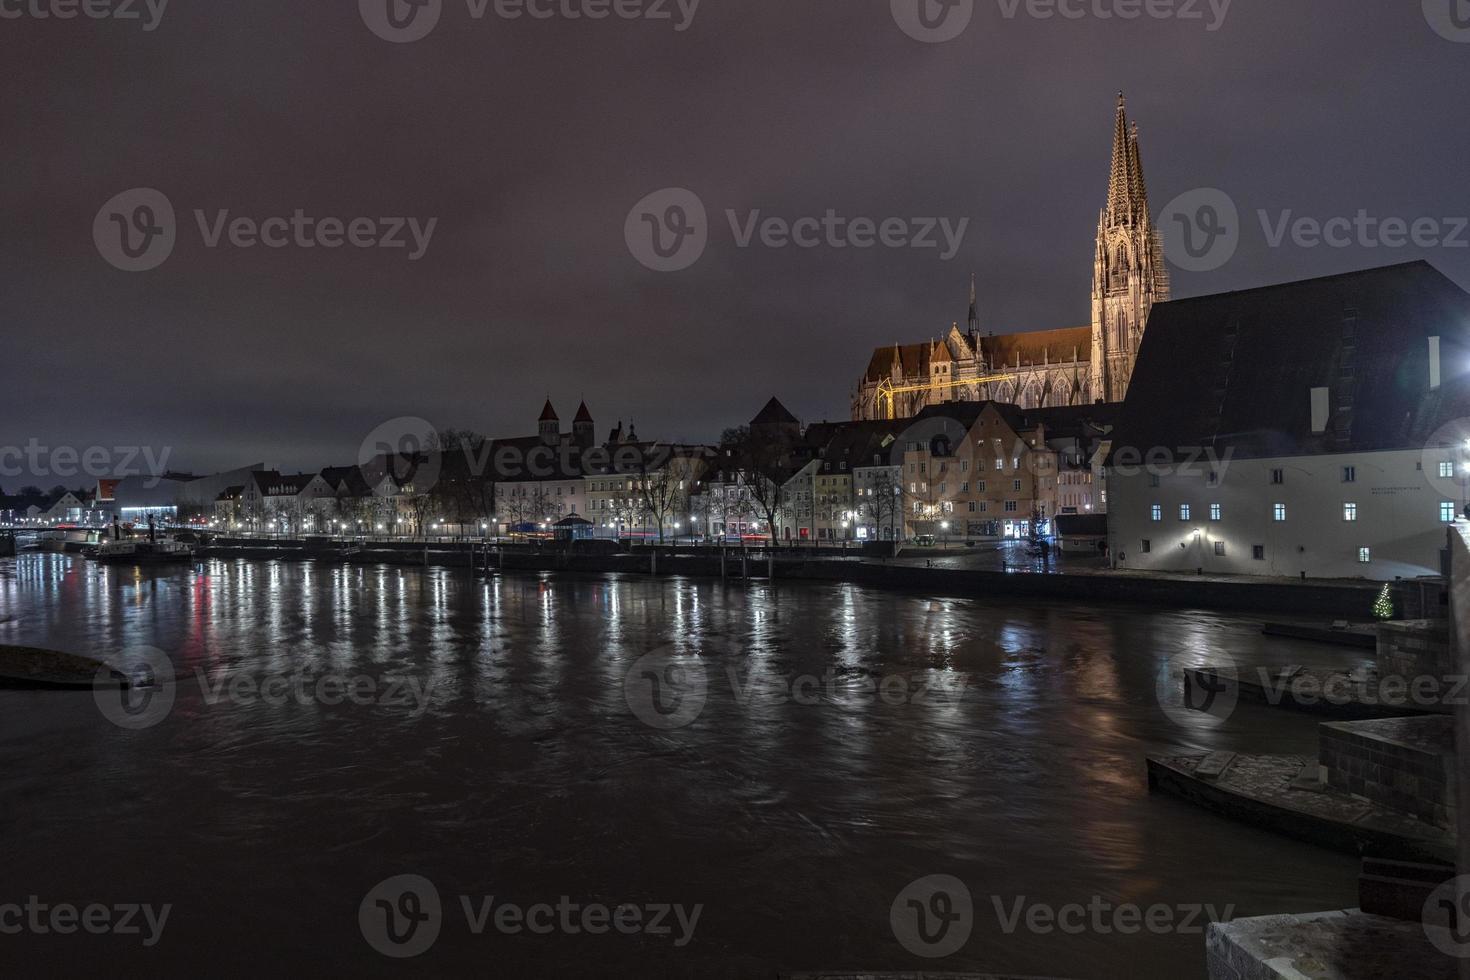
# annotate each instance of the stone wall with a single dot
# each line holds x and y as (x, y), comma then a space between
(1416, 648)
(1460, 633)
(1407, 764)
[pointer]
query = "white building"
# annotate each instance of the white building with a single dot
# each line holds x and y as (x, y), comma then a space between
(1314, 428)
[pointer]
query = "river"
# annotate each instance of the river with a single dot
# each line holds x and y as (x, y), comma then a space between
(845, 742)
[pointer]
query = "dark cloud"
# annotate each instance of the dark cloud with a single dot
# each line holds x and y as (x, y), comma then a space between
(531, 140)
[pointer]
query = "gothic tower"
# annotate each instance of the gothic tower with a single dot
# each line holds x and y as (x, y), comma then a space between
(1129, 275)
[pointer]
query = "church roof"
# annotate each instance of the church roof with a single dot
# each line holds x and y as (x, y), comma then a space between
(1037, 346)
(548, 414)
(1236, 370)
(583, 414)
(913, 360)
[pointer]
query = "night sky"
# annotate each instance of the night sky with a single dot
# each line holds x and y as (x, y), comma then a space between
(531, 140)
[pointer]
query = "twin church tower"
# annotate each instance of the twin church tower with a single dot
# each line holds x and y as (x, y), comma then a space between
(1071, 366)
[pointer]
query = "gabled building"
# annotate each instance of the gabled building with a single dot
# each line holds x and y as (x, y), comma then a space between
(1314, 428)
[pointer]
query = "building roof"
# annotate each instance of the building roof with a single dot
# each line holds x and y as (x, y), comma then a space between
(583, 414)
(548, 414)
(1037, 347)
(1237, 369)
(774, 414)
(910, 360)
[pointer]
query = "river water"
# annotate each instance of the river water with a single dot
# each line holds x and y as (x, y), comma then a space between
(996, 742)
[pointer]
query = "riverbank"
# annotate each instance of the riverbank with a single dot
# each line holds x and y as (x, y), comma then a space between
(1336, 599)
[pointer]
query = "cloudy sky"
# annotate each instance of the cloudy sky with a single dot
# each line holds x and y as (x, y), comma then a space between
(530, 140)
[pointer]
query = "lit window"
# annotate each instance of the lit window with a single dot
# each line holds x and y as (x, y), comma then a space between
(1365, 555)
(1447, 511)
(1278, 512)
(1214, 512)
(1350, 512)
(1184, 512)
(1156, 512)
(1446, 469)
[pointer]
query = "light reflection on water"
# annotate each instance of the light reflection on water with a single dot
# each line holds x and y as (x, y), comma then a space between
(528, 778)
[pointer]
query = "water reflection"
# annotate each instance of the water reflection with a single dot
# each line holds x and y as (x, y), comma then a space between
(527, 775)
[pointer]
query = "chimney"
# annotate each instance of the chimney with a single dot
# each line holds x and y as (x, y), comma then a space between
(1319, 410)
(1433, 363)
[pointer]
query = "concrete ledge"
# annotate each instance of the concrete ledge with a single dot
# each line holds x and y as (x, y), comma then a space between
(1340, 945)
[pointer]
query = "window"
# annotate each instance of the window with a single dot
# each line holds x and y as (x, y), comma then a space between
(972, 506)
(1446, 470)
(1349, 474)
(1147, 546)
(999, 465)
(1258, 552)
(1214, 512)
(1365, 555)
(1278, 512)
(1278, 477)
(981, 486)
(1016, 485)
(1220, 549)
(1153, 479)
(1010, 506)
(1184, 512)
(964, 488)
(984, 506)
(1156, 512)
(1350, 512)
(1214, 480)
(1447, 511)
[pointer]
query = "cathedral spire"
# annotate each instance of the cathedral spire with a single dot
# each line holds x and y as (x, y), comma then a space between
(974, 308)
(1124, 181)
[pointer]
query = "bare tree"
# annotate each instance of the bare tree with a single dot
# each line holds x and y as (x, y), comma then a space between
(763, 465)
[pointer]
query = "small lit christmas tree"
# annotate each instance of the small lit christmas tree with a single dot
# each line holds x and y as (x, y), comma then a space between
(1383, 605)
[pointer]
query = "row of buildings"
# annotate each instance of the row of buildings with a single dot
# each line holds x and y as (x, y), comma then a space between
(1317, 428)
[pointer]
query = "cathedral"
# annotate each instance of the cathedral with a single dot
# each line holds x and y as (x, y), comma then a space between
(1042, 368)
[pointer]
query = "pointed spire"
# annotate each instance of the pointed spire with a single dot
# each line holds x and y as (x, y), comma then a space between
(1121, 205)
(548, 414)
(974, 306)
(583, 415)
